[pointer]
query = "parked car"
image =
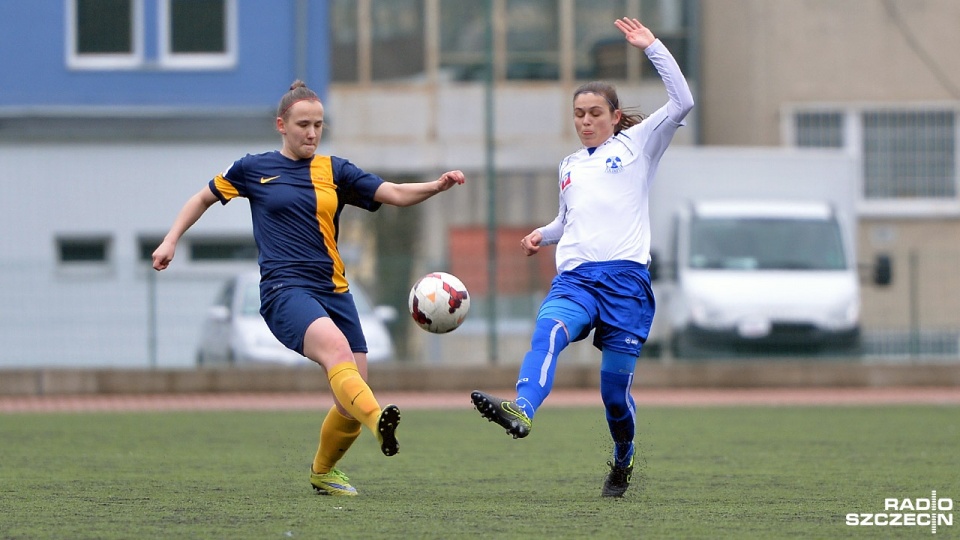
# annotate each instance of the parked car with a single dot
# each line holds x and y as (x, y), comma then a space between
(235, 333)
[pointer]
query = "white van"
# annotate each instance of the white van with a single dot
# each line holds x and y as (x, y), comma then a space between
(754, 250)
(762, 273)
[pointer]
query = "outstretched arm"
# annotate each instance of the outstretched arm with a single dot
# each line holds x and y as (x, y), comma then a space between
(189, 214)
(638, 35)
(413, 193)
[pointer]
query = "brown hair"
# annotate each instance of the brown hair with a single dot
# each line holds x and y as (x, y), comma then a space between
(298, 92)
(628, 117)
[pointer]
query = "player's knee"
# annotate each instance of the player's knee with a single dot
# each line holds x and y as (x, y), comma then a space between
(549, 335)
(616, 405)
(324, 344)
(615, 392)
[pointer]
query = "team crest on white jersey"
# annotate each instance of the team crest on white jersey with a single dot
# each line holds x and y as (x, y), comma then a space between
(565, 182)
(614, 165)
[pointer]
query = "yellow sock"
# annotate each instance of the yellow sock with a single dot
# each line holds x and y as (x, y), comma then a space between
(353, 393)
(336, 435)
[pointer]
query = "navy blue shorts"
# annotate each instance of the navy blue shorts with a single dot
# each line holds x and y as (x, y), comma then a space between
(290, 310)
(618, 299)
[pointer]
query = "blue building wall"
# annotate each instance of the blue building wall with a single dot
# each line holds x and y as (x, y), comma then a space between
(34, 71)
(152, 137)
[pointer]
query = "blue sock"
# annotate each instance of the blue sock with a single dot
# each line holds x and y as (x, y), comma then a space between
(620, 408)
(623, 453)
(539, 364)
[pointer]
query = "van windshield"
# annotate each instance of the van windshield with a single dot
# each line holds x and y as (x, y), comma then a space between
(766, 244)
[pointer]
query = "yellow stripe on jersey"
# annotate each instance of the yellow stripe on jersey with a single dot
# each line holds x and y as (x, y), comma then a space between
(225, 187)
(321, 173)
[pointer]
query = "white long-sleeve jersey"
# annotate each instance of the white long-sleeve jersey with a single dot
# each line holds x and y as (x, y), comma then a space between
(604, 194)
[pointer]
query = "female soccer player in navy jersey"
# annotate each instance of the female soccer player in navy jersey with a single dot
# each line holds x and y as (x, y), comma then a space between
(602, 234)
(296, 198)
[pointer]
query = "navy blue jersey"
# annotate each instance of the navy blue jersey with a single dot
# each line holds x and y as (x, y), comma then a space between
(296, 205)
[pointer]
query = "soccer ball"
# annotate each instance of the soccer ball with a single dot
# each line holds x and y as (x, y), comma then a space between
(439, 302)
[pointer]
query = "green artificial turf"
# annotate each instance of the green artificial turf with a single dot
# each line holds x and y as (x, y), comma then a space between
(721, 472)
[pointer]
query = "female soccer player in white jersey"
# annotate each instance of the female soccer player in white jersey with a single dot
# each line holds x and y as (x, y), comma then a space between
(296, 198)
(602, 234)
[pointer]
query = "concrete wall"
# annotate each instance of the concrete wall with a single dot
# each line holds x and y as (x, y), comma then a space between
(97, 315)
(759, 374)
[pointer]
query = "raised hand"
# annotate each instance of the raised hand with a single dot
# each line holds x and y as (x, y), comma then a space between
(637, 34)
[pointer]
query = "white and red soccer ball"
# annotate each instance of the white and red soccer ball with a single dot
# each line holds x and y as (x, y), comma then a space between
(439, 302)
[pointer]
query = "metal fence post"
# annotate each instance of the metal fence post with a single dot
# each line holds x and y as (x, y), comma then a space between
(152, 317)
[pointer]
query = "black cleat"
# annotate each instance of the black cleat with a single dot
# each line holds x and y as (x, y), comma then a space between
(617, 480)
(387, 430)
(506, 413)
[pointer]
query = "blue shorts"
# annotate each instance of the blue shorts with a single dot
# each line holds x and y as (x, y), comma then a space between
(290, 310)
(616, 296)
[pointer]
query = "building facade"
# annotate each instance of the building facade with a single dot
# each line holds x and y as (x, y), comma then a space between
(877, 79)
(114, 111)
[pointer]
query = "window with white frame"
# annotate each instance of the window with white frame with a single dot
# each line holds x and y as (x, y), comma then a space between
(198, 34)
(104, 34)
(192, 34)
(905, 154)
(909, 154)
